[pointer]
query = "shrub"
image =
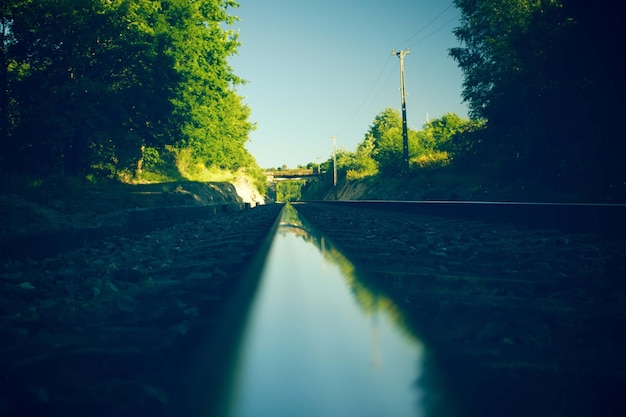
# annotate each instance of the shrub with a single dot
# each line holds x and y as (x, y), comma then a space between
(431, 160)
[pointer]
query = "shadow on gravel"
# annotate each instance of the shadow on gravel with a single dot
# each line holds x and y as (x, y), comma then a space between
(519, 321)
(113, 328)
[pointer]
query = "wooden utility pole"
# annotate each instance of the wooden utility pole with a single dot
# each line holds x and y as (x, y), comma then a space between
(334, 160)
(405, 136)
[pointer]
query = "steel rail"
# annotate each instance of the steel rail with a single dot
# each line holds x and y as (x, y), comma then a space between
(524, 321)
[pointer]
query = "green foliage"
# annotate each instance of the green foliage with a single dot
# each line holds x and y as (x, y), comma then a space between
(432, 160)
(287, 191)
(258, 177)
(439, 131)
(385, 136)
(86, 87)
(462, 145)
(157, 165)
(382, 149)
(380, 152)
(543, 74)
(347, 162)
(110, 86)
(544, 90)
(152, 159)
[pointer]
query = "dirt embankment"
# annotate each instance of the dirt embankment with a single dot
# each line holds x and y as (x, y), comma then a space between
(374, 188)
(446, 188)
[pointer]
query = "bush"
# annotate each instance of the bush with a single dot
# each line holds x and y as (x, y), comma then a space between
(431, 160)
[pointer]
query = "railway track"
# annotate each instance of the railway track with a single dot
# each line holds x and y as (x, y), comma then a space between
(524, 318)
(111, 328)
(527, 318)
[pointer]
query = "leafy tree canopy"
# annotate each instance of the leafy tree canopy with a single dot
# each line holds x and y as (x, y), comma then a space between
(97, 84)
(544, 76)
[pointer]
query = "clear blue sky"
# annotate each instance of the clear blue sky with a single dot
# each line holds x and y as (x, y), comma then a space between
(320, 68)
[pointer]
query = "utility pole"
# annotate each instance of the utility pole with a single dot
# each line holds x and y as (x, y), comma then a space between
(405, 136)
(334, 160)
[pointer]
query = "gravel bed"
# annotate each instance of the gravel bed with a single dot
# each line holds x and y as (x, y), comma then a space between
(521, 321)
(110, 329)
(518, 321)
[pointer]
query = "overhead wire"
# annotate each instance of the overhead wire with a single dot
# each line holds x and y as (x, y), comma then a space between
(435, 31)
(423, 38)
(372, 87)
(386, 81)
(428, 24)
(366, 100)
(362, 105)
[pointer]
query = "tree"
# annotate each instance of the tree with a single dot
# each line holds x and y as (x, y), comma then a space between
(439, 131)
(88, 81)
(435, 148)
(213, 119)
(364, 163)
(385, 136)
(96, 84)
(532, 73)
(289, 190)
(5, 21)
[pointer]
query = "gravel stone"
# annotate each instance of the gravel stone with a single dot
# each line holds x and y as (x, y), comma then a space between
(522, 321)
(104, 330)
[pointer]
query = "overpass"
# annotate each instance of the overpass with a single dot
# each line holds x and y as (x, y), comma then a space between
(304, 174)
(307, 175)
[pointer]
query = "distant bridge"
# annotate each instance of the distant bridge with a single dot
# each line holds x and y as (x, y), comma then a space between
(305, 174)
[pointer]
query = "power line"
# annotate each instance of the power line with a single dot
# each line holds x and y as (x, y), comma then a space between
(357, 113)
(436, 30)
(334, 138)
(386, 82)
(428, 24)
(380, 74)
